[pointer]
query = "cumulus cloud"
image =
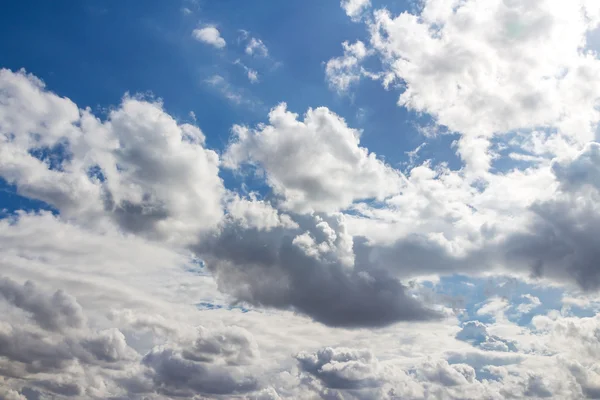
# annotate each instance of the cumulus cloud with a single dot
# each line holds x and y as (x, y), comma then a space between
(475, 333)
(314, 164)
(487, 70)
(57, 312)
(139, 168)
(209, 35)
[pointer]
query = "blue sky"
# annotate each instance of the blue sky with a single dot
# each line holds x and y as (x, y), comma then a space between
(171, 230)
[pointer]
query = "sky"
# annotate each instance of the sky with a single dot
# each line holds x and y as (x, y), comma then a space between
(355, 199)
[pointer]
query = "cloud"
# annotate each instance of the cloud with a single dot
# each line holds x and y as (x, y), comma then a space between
(315, 164)
(233, 94)
(342, 72)
(355, 8)
(310, 269)
(251, 73)
(475, 333)
(251, 213)
(209, 35)
(256, 47)
(485, 71)
(138, 168)
(57, 312)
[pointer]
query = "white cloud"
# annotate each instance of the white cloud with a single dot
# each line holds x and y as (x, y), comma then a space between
(209, 35)
(344, 71)
(139, 168)
(486, 69)
(251, 73)
(253, 213)
(355, 8)
(252, 76)
(315, 164)
(531, 304)
(256, 47)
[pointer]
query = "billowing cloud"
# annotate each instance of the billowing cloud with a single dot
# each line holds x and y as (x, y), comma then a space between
(485, 69)
(315, 164)
(139, 168)
(209, 35)
(314, 268)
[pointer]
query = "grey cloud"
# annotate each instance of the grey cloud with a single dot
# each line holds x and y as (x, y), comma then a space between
(235, 346)
(215, 362)
(55, 313)
(475, 333)
(583, 169)
(34, 350)
(536, 387)
(109, 346)
(68, 389)
(174, 375)
(270, 269)
(341, 368)
(562, 243)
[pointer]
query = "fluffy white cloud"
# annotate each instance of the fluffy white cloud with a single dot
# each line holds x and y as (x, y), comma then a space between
(253, 213)
(315, 164)
(484, 68)
(139, 168)
(209, 35)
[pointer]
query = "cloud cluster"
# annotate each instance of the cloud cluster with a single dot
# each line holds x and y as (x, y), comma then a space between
(486, 68)
(139, 168)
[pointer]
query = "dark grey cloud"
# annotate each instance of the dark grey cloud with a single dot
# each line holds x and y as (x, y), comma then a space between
(562, 242)
(266, 268)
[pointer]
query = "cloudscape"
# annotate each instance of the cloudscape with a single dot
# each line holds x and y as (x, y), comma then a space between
(316, 199)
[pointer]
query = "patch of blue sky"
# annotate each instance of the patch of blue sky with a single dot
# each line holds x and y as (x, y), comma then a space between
(54, 157)
(196, 266)
(208, 306)
(472, 293)
(512, 150)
